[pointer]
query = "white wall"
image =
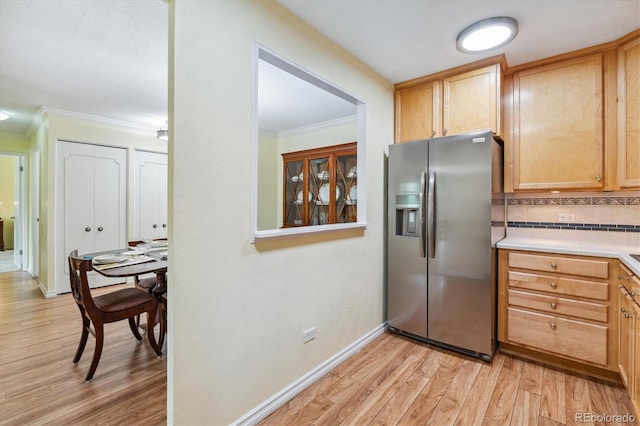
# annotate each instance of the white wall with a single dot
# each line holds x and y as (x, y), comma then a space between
(344, 131)
(238, 310)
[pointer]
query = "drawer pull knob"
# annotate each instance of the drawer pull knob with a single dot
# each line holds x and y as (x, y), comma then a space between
(554, 305)
(624, 310)
(553, 325)
(554, 285)
(554, 265)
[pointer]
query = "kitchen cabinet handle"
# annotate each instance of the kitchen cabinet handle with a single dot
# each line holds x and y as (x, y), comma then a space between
(554, 285)
(627, 315)
(620, 277)
(155, 225)
(598, 178)
(553, 325)
(554, 265)
(100, 229)
(164, 225)
(624, 310)
(554, 305)
(87, 229)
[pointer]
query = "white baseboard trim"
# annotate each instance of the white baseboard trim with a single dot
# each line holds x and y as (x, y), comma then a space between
(277, 400)
(46, 293)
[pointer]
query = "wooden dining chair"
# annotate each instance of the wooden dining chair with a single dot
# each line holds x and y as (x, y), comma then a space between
(127, 303)
(163, 301)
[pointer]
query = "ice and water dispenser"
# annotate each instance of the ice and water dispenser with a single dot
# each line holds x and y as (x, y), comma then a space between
(408, 210)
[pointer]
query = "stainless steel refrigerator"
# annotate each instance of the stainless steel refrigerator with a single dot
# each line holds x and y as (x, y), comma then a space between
(446, 211)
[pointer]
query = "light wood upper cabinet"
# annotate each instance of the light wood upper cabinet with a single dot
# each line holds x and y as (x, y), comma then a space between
(558, 135)
(451, 103)
(472, 101)
(629, 115)
(418, 113)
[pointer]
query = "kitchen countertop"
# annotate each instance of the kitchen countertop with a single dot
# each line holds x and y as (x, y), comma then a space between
(613, 247)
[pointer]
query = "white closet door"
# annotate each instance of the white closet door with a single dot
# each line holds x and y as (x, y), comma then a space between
(163, 192)
(91, 205)
(151, 195)
(78, 197)
(110, 190)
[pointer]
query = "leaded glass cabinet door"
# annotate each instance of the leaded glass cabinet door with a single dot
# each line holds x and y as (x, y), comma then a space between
(320, 189)
(295, 193)
(347, 185)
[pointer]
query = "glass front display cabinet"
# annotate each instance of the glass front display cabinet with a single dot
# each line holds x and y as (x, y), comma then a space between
(320, 186)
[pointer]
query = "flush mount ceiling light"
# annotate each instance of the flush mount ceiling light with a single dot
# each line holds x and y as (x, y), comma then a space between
(4, 116)
(163, 133)
(487, 34)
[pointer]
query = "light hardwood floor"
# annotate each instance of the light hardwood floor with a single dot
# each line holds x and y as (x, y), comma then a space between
(39, 384)
(396, 381)
(392, 381)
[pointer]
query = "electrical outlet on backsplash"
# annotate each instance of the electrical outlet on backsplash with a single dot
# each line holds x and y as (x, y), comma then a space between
(617, 212)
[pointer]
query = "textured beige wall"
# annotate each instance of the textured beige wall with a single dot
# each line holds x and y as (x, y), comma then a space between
(238, 310)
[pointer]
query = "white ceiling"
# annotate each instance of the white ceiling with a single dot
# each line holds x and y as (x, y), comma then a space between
(405, 39)
(101, 58)
(108, 58)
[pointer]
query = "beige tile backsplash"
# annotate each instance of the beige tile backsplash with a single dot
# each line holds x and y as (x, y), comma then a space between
(595, 208)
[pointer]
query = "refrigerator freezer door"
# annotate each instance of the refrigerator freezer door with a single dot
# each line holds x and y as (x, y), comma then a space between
(406, 269)
(459, 275)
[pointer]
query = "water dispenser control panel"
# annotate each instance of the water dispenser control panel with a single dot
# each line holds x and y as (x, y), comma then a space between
(407, 215)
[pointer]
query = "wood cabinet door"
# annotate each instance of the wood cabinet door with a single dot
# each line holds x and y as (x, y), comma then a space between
(625, 331)
(629, 115)
(418, 112)
(635, 359)
(472, 101)
(558, 126)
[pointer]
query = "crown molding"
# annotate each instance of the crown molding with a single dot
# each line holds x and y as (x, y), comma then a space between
(45, 112)
(318, 126)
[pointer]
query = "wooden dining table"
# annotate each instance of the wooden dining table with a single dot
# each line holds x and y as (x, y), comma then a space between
(157, 266)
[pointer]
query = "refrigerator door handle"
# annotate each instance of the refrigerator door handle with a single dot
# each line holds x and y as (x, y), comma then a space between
(431, 215)
(421, 201)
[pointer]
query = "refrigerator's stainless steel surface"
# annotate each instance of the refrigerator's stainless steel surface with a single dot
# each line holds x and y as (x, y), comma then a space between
(459, 273)
(407, 297)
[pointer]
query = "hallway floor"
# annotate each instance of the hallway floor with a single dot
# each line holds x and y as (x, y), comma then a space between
(6, 261)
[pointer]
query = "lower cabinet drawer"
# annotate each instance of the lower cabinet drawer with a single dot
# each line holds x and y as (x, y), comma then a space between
(557, 285)
(562, 265)
(575, 339)
(559, 305)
